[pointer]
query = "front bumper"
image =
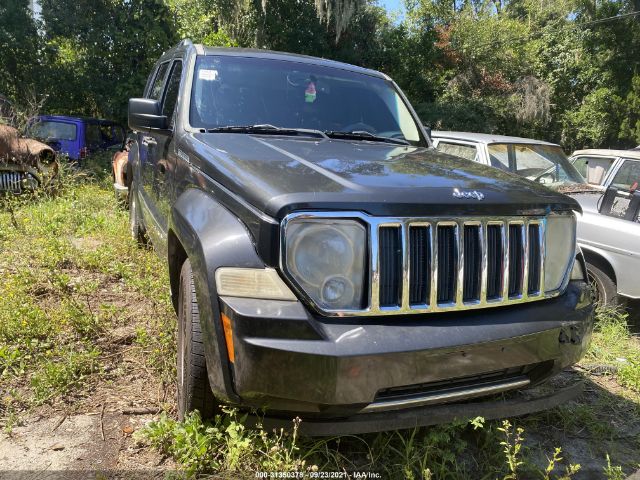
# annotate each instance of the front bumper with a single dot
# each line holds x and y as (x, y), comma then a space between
(518, 404)
(295, 363)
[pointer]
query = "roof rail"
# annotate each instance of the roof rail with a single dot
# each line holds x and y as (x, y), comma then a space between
(185, 42)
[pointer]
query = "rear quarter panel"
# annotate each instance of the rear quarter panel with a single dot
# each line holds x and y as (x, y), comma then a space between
(618, 241)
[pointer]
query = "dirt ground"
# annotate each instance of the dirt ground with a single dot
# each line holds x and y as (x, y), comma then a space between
(93, 430)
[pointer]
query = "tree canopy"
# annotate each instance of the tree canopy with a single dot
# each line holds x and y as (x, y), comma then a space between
(560, 70)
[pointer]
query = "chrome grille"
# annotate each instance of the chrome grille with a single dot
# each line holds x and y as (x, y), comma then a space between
(455, 264)
(11, 182)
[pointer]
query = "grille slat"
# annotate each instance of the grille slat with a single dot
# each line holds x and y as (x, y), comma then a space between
(447, 264)
(535, 258)
(516, 260)
(420, 265)
(472, 263)
(390, 266)
(494, 261)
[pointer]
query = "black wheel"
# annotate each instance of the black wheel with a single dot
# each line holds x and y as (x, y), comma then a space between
(135, 225)
(194, 391)
(605, 288)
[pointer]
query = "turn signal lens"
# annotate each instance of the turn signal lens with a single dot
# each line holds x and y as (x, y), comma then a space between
(252, 283)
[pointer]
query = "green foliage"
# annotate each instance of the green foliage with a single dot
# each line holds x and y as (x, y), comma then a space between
(473, 449)
(630, 128)
(224, 445)
(560, 71)
(614, 346)
(60, 252)
(596, 122)
(19, 48)
(613, 472)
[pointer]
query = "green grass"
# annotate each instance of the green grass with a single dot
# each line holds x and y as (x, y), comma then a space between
(65, 256)
(614, 346)
(72, 276)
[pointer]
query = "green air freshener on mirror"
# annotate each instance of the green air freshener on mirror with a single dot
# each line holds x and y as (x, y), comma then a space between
(310, 93)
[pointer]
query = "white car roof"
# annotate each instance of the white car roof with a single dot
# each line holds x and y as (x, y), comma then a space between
(487, 138)
(634, 154)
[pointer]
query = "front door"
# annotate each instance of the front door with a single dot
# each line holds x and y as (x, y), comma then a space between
(148, 145)
(161, 159)
(165, 149)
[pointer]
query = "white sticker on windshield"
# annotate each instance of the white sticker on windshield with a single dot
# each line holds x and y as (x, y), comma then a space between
(208, 75)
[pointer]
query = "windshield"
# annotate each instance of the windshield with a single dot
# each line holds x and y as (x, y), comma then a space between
(239, 91)
(546, 164)
(53, 131)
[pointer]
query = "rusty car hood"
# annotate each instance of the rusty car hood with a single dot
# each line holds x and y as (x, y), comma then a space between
(22, 151)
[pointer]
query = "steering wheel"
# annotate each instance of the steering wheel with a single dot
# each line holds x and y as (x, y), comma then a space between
(360, 126)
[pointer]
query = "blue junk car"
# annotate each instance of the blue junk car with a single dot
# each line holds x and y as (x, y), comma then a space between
(76, 136)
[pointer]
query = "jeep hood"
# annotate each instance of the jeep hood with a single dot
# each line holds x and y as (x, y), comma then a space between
(279, 175)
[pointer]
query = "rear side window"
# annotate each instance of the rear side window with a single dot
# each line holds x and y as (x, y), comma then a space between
(158, 82)
(54, 130)
(593, 169)
(93, 135)
(468, 152)
(173, 88)
(499, 156)
(628, 177)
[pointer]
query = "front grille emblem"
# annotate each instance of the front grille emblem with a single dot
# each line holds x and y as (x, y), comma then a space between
(473, 194)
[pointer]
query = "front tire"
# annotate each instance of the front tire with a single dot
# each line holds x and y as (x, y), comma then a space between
(606, 290)
(194, 391)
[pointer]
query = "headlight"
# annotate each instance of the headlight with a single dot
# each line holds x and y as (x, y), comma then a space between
(560, 248)
(47, 158)
(326, 259)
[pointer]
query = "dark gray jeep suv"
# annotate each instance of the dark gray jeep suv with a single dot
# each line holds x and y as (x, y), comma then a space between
(326, 262)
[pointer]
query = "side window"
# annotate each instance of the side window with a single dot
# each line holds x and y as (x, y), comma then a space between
(173, 88)
(581, 165)
(93, 135)
(499, 156)
(468, 152)
(593, 169)
(529, 161)
(628, 177)
(156, 88)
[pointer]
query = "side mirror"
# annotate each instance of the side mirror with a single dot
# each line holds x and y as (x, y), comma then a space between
(633, 210)
(607, 200)
(145, 114)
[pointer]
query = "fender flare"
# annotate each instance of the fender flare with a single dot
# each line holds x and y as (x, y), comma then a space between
(588, 250)
(211, 237)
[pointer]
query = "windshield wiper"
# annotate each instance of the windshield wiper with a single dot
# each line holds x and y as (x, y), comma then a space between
(266, 129)
(364, 135)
